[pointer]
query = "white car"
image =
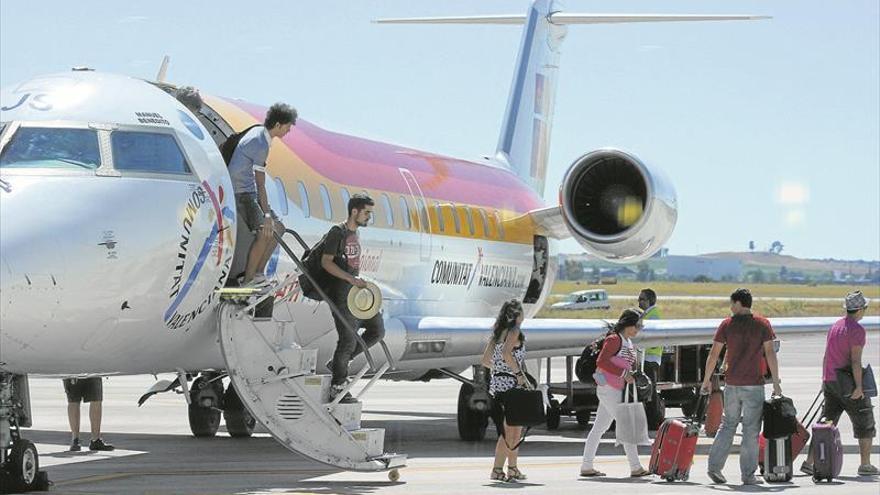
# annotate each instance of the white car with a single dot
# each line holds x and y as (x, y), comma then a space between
(585, 299)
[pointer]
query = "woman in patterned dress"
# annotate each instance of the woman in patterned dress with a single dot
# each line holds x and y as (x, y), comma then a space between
(505, 357)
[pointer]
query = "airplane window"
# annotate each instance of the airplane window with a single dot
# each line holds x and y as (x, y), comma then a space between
(325, 198)
(423, 216)
(485, 222)
(345, 197)
(456, 220)
(389, 212)
(441, 224)
(282, 197)
(147, 152)
(33, 147)
(470, 220)
(500, 224)
(404, 207)
(304, 198)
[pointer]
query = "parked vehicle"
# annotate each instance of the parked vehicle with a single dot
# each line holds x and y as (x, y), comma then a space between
(585, 299)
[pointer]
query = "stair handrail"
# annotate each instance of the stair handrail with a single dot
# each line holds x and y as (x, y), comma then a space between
(335, 310)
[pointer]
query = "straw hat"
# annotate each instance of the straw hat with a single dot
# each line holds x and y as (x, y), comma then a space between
(365, 303)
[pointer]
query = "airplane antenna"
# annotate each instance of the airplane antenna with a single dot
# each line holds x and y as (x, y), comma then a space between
(163, 69)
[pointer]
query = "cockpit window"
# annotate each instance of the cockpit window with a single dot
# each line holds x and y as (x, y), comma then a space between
(35, 147)
(147, 152)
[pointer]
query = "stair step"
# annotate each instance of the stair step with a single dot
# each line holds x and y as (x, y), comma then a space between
(372, 439)
(318, 387)
(348, 415)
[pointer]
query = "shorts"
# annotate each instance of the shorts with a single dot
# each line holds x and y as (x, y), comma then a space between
(860, 411)
(84, 389)
(250, 210)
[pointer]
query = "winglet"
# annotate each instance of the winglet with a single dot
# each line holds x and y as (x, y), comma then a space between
(163, 69)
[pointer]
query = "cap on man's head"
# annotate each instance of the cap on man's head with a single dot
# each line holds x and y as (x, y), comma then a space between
(855, 301)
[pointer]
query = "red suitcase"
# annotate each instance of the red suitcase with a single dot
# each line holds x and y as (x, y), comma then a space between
(673, 451)
(715, 408)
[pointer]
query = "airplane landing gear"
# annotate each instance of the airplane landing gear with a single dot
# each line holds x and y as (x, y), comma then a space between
(474, 405)
(206, 394)
(19, 460)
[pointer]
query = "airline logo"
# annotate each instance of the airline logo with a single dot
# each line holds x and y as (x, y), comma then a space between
(462, 273)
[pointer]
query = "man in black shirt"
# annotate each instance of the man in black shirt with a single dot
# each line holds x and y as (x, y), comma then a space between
(341, 258)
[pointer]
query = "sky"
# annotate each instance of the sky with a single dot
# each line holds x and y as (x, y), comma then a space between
(769, 130)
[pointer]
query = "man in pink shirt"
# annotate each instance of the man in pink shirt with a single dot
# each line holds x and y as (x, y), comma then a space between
(843, 349)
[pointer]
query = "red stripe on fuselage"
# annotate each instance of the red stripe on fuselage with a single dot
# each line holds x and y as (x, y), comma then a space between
(358, 162)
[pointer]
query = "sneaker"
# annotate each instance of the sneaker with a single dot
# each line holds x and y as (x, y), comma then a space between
(75, 446)
(100, 445)
(868, 470)
(717, 477)
(751, 480)
(807, 468)
(335, 390)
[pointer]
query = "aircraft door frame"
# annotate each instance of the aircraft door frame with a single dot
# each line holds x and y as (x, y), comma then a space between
(426, 238)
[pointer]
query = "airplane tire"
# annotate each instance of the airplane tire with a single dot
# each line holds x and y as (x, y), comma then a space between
(204, 421)
(23, 466)
(471, 424)
(554, 415)
(239, 422)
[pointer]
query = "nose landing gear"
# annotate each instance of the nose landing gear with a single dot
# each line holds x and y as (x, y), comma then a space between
(19, 460)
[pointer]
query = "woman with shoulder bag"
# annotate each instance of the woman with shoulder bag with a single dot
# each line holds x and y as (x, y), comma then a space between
(614, 369)
(505, 356)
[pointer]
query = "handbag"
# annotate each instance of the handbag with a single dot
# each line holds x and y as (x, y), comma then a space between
(632, 423)
(847, 381)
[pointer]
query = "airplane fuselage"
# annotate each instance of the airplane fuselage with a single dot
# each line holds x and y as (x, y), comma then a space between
(113, 267)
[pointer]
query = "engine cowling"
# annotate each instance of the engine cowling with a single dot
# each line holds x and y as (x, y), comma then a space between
(618, 208)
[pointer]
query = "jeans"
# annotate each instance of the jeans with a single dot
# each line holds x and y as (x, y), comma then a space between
(347, 347)
(741, 404)
(609, 398)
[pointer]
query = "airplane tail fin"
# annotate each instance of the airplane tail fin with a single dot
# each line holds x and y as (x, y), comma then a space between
(524, 144)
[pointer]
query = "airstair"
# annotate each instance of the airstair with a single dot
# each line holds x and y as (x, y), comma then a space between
(276, 380)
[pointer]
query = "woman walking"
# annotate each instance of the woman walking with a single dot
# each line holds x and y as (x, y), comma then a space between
(613, 371)
(505, 356)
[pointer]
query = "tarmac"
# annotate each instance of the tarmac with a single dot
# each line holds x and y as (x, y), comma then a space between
(156, 453)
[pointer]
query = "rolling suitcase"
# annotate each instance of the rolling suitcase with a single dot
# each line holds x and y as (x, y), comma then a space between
(776, 463)
(827, 452)
(800, 437)
(673, 451)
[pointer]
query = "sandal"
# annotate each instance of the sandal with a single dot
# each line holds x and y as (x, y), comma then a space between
(498, 474)
(590, 473)
(641, 472)
(514, 474)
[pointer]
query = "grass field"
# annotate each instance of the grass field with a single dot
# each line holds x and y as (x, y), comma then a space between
(715, 309)
(627, 287)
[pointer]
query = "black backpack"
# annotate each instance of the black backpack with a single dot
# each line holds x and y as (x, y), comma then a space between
(228, 147)
(312, 263)
(586, 364)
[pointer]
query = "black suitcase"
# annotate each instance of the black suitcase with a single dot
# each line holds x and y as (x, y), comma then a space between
(778, 464)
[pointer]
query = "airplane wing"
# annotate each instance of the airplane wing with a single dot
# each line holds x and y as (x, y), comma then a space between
(546, 337)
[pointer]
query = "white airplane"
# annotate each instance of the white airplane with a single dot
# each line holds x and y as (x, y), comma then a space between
(119, 233)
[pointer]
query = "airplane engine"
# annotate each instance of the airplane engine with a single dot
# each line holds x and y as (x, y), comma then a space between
(617, 207)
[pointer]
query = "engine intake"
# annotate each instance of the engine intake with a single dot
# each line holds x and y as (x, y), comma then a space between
(616, 207)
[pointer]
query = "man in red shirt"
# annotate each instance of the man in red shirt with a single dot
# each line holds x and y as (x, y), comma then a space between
(748, 338)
